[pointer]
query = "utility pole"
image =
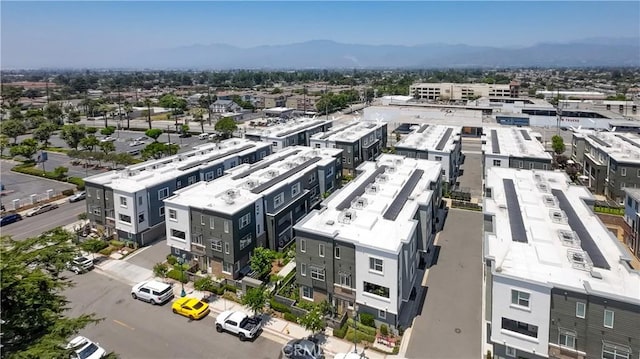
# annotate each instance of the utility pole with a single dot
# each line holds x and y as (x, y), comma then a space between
(326, 101)
(304, 96)
(209, 102)
(169, 133)
(119, 109)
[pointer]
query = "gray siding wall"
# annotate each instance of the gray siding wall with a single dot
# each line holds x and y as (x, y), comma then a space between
(529, 163)
(95, 200)
(577, 149)
(311, 258)
(599, 172)
(631, 178)
(390, 318)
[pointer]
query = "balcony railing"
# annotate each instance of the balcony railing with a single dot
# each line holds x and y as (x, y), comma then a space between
(198, 249)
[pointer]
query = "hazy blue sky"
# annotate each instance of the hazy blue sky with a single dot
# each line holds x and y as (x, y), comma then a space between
(76, 28)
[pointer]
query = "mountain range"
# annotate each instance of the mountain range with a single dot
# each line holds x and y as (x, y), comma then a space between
(330, 54)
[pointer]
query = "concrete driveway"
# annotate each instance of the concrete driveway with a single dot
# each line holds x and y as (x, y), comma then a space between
(449, 325)
(148, 256)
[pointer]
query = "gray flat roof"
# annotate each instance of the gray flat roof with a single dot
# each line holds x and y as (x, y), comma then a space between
(518, 232)
(495, 145)
(346, 203)
(444, 139)
(396, 206)
(265, 186)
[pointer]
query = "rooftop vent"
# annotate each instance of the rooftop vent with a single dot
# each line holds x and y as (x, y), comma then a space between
(272, 173)
(596, 275)
(537, 177)
(251, 184)
(330, 222)
(557, 216)
(382, 178)
(372, 188)
(359, 203)
(550, 201)
(569, 239)
(502, 206)
(347, 216)
(543, 187)
(232, 193)
(579, 259)
(391, 169)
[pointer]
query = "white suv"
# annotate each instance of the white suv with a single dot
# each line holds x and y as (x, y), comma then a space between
(84, 348)
(152, 291)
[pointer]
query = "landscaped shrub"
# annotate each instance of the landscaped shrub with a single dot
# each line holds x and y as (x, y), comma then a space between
(205, 284)
(367, 319)
(177, 275)
(360, 336)
(291, 317)
(172, 259)
(306, 305)
(279, 307)
(340, 332)
(94, 245)
(117, 244)
(361, 327)
(384, 330)
(79, 182)
(67, 192)
(230, 288)
(107, 251)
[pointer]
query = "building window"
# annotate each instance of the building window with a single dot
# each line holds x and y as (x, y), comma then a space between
(123, 202)
(278, 200)
(608, 318)
(202, 219)
(382, 314)
(191, 180)
(344, 279)
(307, 292)
(321, 250)
(581, 309)
(638, 174)
(226, 247)
(615, 351)
(245, 241)
(313, 177)
(336, 252)
(245, 220)
(97, 194)
(125, 218)
(226, 226)
(520, 164)
(567, 338)
(139, 201)
(219, 172)
(376, 264)
(161, 211)
(545, 167)
(208, 176)
(438, 158)
(173, 215)
(141, 218)
(211, 223)
(227, 268)
(375, 289)
(178, 234)
(317, 273)
(497, 163)
(303, 246)
(216, 246)
(330, 172)
(623, 171)
(303, 269)
(520, 327)
(295, 189)
(179, 184)
(163, 193)
(520, 298)
(530, 166)
(510, 351)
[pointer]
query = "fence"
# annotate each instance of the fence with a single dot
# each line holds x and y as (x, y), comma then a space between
(608, 208)
(466, 205)
(33, 200)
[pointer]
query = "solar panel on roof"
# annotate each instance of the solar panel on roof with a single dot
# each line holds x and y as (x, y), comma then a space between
(495, 145)
(518, 233)
(346, 203)
(263, 187)
(525, 134)
(627, 140)
(444, 139)
(586, 241)
(422, 128)
(263, 164)
(396, 206)
(599, 141)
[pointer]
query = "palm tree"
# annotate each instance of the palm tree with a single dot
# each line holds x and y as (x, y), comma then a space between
(128, 109)
(148, 103)
(198, 116)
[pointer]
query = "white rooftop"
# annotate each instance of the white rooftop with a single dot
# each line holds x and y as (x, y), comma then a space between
(622, 147)
(278, 109)
(233, 191)
(363, 222)
(147, 174)
(552, 253)
(424, 114)
(288, 128)
(512, 142)
(429, 138)
(350, 132)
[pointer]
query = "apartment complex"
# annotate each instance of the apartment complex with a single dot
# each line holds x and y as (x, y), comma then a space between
(632, 217)
(610, 161)
(468, 91)
(218, 223)
(128, 203)
(292, 133)
(359, 141)
(513, 148)
(558, 284)
(365, 244)
(436, 143)
(304, 103)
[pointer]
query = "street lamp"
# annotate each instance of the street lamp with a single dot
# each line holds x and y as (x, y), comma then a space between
(355, 327)
(181, 261)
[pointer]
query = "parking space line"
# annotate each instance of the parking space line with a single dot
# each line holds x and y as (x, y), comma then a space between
(123, 324)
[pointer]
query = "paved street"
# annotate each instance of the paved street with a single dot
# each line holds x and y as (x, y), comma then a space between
(33, 226)
(449, 325)
(134, 329)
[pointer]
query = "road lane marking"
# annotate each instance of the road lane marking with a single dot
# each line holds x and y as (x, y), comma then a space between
(124, 324)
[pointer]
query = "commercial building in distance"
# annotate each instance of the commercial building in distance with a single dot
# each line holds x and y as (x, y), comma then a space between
(360, 141)
(436, 143)
(128, 203)
(610, 161)
(511, 147)
(558, 284)
(452, 92)
(219, 223)
(290, 133)
(365, 244)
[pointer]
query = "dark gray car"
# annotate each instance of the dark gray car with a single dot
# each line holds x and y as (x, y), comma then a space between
(302, 349)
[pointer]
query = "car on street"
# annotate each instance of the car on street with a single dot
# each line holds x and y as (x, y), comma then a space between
(136, 143)
(203, 136)
(302, 349)
(42, 209)
(192, 308)
(152, 291)
(83, 348)
(10, 218)
(140, 139)
(78, 196)
(80, 265)
(108, 139)
(239, 323)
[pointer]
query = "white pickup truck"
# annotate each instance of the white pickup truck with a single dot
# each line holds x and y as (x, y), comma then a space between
(238, 323)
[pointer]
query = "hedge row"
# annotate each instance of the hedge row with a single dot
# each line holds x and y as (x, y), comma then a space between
(367, 319)
(30, 169)
(291, 317)
(340, 332)
(360, 336)
(177, 275)
(361, 327)
(279, 307)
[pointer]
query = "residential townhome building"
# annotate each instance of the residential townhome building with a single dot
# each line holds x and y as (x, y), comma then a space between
(436, 143)
(224, 106)
(513, 147)
(262, 100)
(360, 141)
(557, 283)
(296, 132)
(610, 161)
(219, 223)
(632, 217)
(128, 203)
(362, 249)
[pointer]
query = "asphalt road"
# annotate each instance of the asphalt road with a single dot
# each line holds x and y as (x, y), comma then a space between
(148, 256)
(33, 226)
(134, 329)
(449, 325)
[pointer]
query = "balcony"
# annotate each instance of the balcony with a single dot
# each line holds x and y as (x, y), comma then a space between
(198, 249)
(344, 291)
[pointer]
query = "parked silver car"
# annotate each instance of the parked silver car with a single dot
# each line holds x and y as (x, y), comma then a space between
(78, 197)
(42, 209)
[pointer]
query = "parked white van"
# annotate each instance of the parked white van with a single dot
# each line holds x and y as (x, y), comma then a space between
(152, 291)
(203, 136)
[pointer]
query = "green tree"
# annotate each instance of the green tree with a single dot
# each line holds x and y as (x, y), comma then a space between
(262, 260)
(43, 133)
(227, 126)
(198, 116)
(89, 143)
(160, 270)
(12, 94)
(255, 299)
(34, 321)
(26, 149)
(53, 112)
(128, 109)
(4, 143)
(147, 102)
(124, 159)
(92, 131)
(73, 116)
(73, 134)
(184, 128)
(153, 133)
(13, 128)
(108, 131)
(205, 284)
(107, 147)
(313, 321)
(157, 150)
(557, 144)
(60, 172)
